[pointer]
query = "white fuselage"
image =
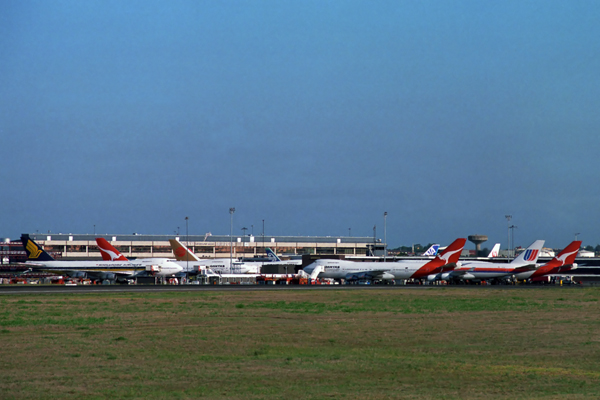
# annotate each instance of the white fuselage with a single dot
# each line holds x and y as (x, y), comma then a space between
(484, 270)
(165, 267)
(221, 266)
(344, 269)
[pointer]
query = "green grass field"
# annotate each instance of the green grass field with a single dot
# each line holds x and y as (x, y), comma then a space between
(441, 343)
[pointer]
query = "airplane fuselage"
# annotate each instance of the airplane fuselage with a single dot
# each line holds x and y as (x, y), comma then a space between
(165, 267)
(343, 269)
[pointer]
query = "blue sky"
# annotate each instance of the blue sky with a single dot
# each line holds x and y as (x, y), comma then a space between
(315, 116)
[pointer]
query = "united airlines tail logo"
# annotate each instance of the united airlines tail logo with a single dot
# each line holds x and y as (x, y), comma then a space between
(531, 255)
(34, 251)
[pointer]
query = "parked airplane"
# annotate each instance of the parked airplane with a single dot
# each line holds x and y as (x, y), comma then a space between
(192, 263)
(112, 271)
(402, 269)
(560, 264)
(483, 270)
(110, 253)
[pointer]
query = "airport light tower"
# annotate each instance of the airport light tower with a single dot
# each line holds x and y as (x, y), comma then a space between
(187, 244)
(508, 218)
(231, 211)
(385, 235)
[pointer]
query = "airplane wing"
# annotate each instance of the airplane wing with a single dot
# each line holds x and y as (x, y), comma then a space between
(446, 268)
(459, 273)
(30, 264)
(372, 274)
(525, 268)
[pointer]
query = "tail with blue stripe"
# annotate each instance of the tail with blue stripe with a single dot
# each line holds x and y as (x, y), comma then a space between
(272, 256)
(530, 255)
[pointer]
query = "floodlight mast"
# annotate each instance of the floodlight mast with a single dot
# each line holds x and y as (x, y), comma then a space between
(231, 211)
(187, 256)
(508, 218)
(385, 236)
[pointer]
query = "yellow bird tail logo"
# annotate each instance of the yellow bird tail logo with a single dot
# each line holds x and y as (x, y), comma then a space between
(34, 251)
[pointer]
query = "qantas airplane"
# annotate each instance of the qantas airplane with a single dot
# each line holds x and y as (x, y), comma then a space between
(186, 259)
(118, 270)
(403, 269)
(483, 270)
(563, 262)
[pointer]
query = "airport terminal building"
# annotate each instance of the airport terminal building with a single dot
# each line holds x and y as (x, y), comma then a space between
(79, 246)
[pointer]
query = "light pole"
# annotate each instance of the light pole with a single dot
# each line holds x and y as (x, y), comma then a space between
(577, 234)
(244, 229)
(512, 235)
(231, 211)
(95, 230)
(263, 237)
(349, 232)
(252, 230)
(385, 236)
(187, 244)
(508, 218)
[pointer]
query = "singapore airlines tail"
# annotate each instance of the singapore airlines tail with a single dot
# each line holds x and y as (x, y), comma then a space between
(109, 253)
(181, 252)
(33, 250)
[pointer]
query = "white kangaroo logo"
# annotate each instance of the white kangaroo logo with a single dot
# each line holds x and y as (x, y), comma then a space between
(563, 258)
(446, 256)
(113, 256)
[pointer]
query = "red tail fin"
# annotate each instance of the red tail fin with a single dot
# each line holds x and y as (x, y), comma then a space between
(567, 256)
(450, 255)
(109, 253)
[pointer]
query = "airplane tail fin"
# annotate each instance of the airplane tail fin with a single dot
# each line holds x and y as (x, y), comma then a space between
(495, 251)
(444, 261)
(33, 250)
(530, 255)
(451, 254)
(567, 256)
(272, 256)
(108, 252)
(181, 252)
(432, 251)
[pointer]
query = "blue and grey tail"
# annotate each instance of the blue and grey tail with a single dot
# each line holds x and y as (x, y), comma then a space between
(272, 256)
(34, 251)
(432, 251)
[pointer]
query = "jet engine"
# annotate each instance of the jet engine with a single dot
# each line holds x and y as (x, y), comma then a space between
(108, 276)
